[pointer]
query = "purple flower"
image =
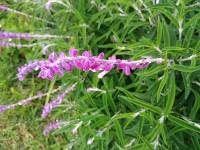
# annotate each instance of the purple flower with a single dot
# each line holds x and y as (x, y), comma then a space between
(87, 54)
(3, 108)
(48, 5)
(55, 103)
(73, 52)
(3, 8)
(57, 63)
(46, 73)
(101, 55)
(26, 69)
(52, 126)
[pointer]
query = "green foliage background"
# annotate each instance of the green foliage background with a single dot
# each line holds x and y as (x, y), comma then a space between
(168, 94)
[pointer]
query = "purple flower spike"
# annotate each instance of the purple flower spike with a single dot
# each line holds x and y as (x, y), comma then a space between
(53, 57)
(5, 107)
(55, 103)
(27, 36)
(26, 69)
(57, 63)
(46, 73)
(26, 101)
(52, 126)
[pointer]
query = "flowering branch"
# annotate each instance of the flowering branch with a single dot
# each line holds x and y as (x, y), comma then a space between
(10, 44)
(57, 63)
(26, 101)
(12, 35)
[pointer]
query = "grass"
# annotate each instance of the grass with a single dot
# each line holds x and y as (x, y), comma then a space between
(154, 108)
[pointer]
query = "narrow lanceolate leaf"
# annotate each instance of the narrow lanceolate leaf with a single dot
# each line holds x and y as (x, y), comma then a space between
(183, 68)
(186, 82)
(159, 33)
(185, 123)
(150, 72)
(195, 142)
(171, 94)
(162, 85)
(124, 116)
(166, 35)
(192, 21)
(142, 104)
(166, 13)
(196, 106)
(188, 36)
(119, 132)
(155, 132)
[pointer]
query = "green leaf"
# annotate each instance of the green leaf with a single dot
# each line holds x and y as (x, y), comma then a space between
(196, 105)
(188, 37)
(167, 13)
(123, 116)
(185, 124)
(186, 81)
(195, 142)
(119, 132)
(166, 35)
(142, 104)
(150, 72)
(171, 94)
(155, 132)
(159, 33)
(183, 68)
(175, 50)
(162, 84)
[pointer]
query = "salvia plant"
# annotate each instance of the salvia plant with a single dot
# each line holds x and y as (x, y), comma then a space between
(97, 74)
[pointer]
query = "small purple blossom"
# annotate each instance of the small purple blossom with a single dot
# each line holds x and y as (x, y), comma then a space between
(52, 126)
(3, 8)
(73, 52)
(58, 63)
(49, 4)
(55, 103)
